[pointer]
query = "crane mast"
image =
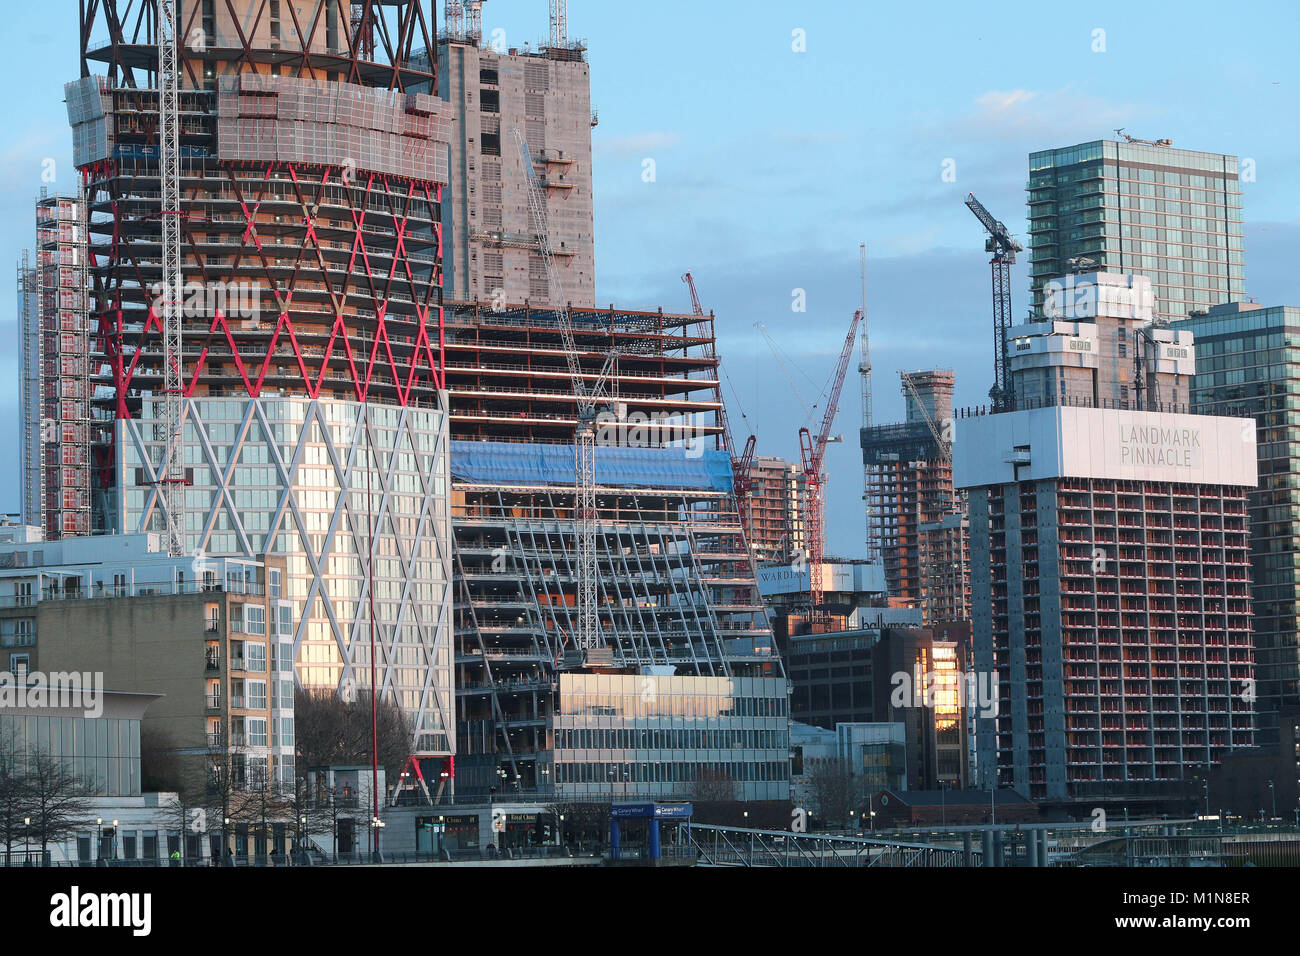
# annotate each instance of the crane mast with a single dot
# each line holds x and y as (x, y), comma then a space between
(812, 452)
(559, 24)
(742, 464)
(1004, 249)
(171, 482)
(587, 399)
(864, 372)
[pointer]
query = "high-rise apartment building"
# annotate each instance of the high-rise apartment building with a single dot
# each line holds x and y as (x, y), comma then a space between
(54, 372)
(1110, 585)
(1246, 365)
(909, 484)
(1101, 346)
(491, 248)
(774, 526)
(209, 635)
(1172, 215)
(312, 161)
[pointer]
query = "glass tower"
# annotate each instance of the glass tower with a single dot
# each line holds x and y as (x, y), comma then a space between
(1173, 215)
(1248, 363)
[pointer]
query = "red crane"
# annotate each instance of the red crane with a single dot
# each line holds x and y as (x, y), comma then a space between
(742, 465)
(812, 452)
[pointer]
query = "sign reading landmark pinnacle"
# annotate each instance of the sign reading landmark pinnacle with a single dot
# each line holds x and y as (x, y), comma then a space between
(1176, 447)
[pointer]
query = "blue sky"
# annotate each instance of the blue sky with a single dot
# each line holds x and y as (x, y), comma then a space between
(772, 165)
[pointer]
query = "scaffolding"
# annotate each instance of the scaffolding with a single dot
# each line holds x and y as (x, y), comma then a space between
(676, 586)
(56, 368)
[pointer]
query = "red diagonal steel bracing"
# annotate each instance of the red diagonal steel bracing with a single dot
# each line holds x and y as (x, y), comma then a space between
(367, 343)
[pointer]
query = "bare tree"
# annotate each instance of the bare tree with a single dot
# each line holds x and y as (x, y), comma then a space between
(330, 731)
(712, 786)
(58, 804)
(262, 804)
(582, 824)
(223, 789)
(15, 800)
(162, 767)
(836, 791)
(313, 813)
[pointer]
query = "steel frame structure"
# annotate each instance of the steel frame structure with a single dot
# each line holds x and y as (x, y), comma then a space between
(675, 583)
(381, 45)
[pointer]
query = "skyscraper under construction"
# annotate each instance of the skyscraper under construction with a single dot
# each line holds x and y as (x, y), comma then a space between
(693, 691)
(339, 417)
(314, 408)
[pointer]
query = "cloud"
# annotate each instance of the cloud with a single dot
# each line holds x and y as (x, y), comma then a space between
(638, 144)
(1038, 118)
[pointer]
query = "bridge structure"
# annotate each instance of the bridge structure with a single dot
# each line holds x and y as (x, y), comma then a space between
(741, 847)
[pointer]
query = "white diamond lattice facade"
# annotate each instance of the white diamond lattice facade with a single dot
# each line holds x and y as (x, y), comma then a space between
(347, 493)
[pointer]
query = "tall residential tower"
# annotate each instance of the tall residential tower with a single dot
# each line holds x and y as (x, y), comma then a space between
(1172, 215)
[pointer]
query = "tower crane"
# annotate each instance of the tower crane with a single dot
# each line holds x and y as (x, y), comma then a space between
(812, 451)
(944, 446)
(864, 374)
(1145, 142)
(742, 464)
(167, 305)
(1004, 249)
(1144, 338)
(589, 400)
(559, 24)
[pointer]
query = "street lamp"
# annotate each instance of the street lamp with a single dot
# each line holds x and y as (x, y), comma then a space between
(1273, 793)
(27, 849)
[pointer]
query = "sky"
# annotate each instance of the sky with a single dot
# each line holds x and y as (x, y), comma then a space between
(782, 136)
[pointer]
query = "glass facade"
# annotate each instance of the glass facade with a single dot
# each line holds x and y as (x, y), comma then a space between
(1248, 363)
(621, 736)
(288, 477)
(103, 752)
(1173, 215)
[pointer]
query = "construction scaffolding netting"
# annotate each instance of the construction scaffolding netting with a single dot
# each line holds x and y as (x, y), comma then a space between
(519, 463)
(287, 119)
(87, 103)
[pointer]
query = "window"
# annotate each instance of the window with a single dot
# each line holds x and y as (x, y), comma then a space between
(256, 694)
(273, 582)
(257, 737)
(284, 621)
(255, 657)
(254, 619)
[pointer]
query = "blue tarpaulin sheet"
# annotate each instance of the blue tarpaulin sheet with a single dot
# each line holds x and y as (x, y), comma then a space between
(517, 463)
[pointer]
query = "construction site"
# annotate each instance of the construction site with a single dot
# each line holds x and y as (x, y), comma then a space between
(509, 512)
(917, 514)
(677, 606)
